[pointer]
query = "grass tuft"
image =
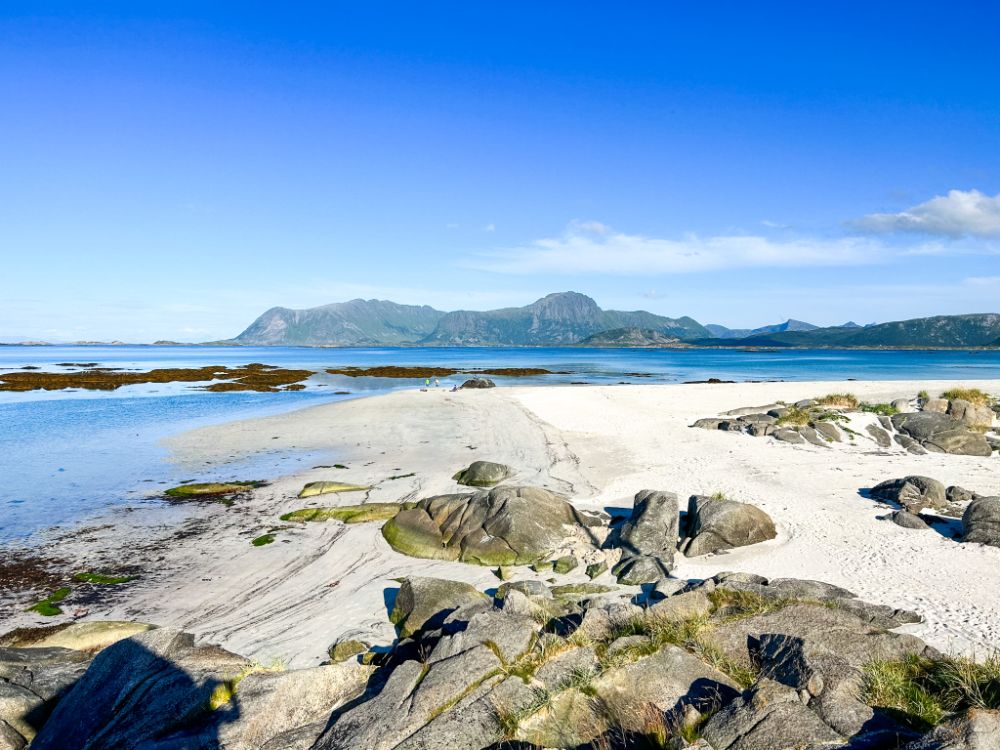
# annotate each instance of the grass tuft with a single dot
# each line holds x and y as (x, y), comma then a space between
(972, 395)
(794, 417)
(922, 692)
(47, 607)
(886, 410)
(839, 400)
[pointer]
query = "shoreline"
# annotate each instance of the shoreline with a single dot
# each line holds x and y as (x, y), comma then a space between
(598, 444)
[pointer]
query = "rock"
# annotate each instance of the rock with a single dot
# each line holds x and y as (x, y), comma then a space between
(597, 569)
(140, 690)
(502, 526)
(684, 606)
(708, 423)
(483, 474)
(807, 403)
(911, 445)
(746, 411)
(763, 419)
(322, 488)
(981, 521)
(769, 716)
(730, 576)
(528, 588)
(788, 435)
(718, 524)
(976, 729)
(426, 602)
(912, 493)
(635, 571)
(956, 494)
(935, 405)
(942, 434)
(880, 436)
(761, 429)
(478, 383)
(902, 405)
(91, 636)
(813, 437)
(346, 649)
(908, 520)
(562, 669)
(563, 565)
(32, 681)
(652, 526)
(778, 412)
(972, 415)
(10, 739)
(799, 588)
(667, 587)
(828, 430)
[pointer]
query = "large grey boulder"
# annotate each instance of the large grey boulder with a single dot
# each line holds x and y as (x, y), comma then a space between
(426, 602)
(478, 383)
(714, 524)
(648, 539)
(651, 529)
(974, 730)
(502, 526)
(908, 520)
(141, 689)
(974, 415)
(770, 716)
(942, 434)
(32, 680)
(981, 521)
(913, 493)
(482, 474)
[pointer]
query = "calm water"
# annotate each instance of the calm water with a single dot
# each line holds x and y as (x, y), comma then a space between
(67, 454)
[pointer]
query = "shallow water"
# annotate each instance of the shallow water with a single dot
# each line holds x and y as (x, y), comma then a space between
(67, 454)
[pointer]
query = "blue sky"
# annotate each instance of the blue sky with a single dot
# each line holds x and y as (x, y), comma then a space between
(170, 170)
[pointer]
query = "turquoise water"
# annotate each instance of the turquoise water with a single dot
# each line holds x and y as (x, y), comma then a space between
(67, 454)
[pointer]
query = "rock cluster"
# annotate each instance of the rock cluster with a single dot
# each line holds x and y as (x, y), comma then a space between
(733, 662)
(941, 426)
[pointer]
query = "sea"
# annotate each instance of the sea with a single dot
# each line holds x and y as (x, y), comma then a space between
(67, 455)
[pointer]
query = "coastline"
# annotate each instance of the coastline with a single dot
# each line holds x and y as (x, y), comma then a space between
(597, 444)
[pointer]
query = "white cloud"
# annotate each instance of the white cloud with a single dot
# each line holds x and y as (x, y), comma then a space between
(960, 213)
(490, 228)
(583, 249)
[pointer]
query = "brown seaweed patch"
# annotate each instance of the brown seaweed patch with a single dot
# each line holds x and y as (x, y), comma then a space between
(251, 377)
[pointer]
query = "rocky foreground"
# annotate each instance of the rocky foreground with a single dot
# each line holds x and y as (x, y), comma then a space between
(731, 662)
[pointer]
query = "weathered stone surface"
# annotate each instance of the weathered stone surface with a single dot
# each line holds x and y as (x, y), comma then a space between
(596, 569)
(715, 524)
(770, 716)
(426, 602)
(902, 405)
(973, 415)
(502, 526)
(981, 521)
(974, 730)
(829, 431)
(345, 649)
(483, 474)
(935, 405)
(32, 680)
(911, 445)
(913, 493)
(565, 564)
(956, 494)
(880, 436)
(813, 437)
(144, 688)
(942, 434)
(10, 739)
(788, 435)
(92, 635)
(635, 571)
(652, 526)
(908, 520)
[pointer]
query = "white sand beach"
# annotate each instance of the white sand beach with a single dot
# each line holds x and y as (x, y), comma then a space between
(598, 445)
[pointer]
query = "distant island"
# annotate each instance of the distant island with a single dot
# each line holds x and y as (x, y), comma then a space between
(574, 319)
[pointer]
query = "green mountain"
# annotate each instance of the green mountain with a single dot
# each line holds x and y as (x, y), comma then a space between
(359, 322)
(644, 338)
(941, 331)
(557, 319)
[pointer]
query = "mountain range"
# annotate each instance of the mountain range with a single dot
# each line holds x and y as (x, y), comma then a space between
(571, 318)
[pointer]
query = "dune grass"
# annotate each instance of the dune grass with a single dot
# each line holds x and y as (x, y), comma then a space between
(972, 395)
(839, 400)
(886, 410)
(794, 417)
(922, 692)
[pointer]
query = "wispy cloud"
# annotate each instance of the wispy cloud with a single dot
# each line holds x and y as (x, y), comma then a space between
(594, 248)
(958, 214)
